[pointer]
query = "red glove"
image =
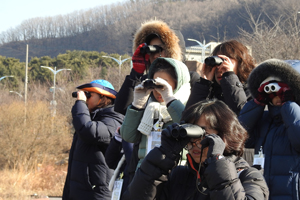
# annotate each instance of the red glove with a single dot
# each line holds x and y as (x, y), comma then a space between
(139, 61)
(262, 98)
(285, 93)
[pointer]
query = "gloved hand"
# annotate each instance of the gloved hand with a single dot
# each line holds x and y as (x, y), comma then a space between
(285, 93)
(262, 97)
(166, 92)
(172, 146)
(139, 61)
(214, 143)
(140, 96)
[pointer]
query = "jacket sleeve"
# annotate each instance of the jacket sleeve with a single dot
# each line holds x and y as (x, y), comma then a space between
(175, 110)
(223, 182)
(233, 92)
(125, 95)
(150, 179)
(290, 112)
(131, 122)
(92, 132)
(113, 153)
(250, 115)
(200, 91)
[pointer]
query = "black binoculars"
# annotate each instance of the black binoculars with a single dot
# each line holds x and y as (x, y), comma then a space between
(87, 94)
(213, 61)
(188, 130)
(147, 49)
(151, 84)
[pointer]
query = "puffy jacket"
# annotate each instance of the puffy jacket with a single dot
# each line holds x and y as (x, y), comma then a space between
(153, 180)
(277, 130)
(231, 91)
(88, 174)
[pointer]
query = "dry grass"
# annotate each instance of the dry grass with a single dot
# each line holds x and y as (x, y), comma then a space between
(34, 150)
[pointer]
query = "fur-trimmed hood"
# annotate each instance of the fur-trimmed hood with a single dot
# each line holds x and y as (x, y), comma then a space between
(288, 71)
(166, 34)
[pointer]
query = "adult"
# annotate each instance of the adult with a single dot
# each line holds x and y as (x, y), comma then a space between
(272, 120)
(215, 168)
(228, 81)
(95, 123)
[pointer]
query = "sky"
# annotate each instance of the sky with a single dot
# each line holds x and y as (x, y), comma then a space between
(13, 12)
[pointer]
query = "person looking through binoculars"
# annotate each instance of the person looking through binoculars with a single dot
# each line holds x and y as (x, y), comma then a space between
(95, 123)
(224, 76)
(215, 169)
(157, 102)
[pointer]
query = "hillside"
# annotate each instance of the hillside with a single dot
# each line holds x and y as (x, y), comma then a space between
(110, 28)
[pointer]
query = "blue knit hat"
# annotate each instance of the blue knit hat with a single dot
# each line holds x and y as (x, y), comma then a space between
(99, 86)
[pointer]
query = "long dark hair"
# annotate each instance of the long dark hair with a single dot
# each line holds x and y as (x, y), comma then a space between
(221, 118)
(236, 50)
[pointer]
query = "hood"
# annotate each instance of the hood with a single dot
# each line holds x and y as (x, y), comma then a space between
(164, 32)
(287, 71)
(182, 72)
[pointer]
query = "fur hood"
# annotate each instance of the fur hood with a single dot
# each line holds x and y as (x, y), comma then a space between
(288, 71)
(166, 34)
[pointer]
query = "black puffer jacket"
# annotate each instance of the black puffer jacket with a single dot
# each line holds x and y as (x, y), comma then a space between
(231, 91)
(220, 180)
(88, 174)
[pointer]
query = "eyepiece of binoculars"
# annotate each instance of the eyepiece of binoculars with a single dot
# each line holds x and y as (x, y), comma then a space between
(87, 94)
(188, 130)
(271, 87)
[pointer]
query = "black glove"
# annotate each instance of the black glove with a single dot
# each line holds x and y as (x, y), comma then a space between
(215, 145)
(172, 146)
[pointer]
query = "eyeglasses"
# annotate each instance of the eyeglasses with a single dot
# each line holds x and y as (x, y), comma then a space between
(197, 143)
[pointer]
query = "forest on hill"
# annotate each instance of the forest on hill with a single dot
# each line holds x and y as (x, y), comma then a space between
(110, 28)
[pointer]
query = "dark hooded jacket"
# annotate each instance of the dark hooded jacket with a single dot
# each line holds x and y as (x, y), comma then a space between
(158, 179)
(276, 130)
(88, 174)
(231, 91)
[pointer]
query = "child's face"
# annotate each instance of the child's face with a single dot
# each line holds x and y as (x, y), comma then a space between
(276, 101)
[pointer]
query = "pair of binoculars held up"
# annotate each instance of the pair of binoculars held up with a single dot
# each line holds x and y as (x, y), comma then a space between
(271, 87)
(213, 61)
(151, 84)
(187, 130)
(147, 49)
(87, 94)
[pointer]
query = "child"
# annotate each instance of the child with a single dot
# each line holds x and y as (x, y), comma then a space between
(272, 120)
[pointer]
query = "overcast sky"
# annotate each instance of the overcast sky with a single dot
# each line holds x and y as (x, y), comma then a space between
(13, 12)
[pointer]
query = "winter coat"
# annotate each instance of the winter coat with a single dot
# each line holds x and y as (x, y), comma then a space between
(276, 130)
(129, 130)
(231, 91)
(219, 180)
(88, 174)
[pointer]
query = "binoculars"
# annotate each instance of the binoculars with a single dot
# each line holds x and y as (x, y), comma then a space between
(213, 61)
(147, 49)
(151, 84)
(188, 130)
(271, 87)
(87, 94)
